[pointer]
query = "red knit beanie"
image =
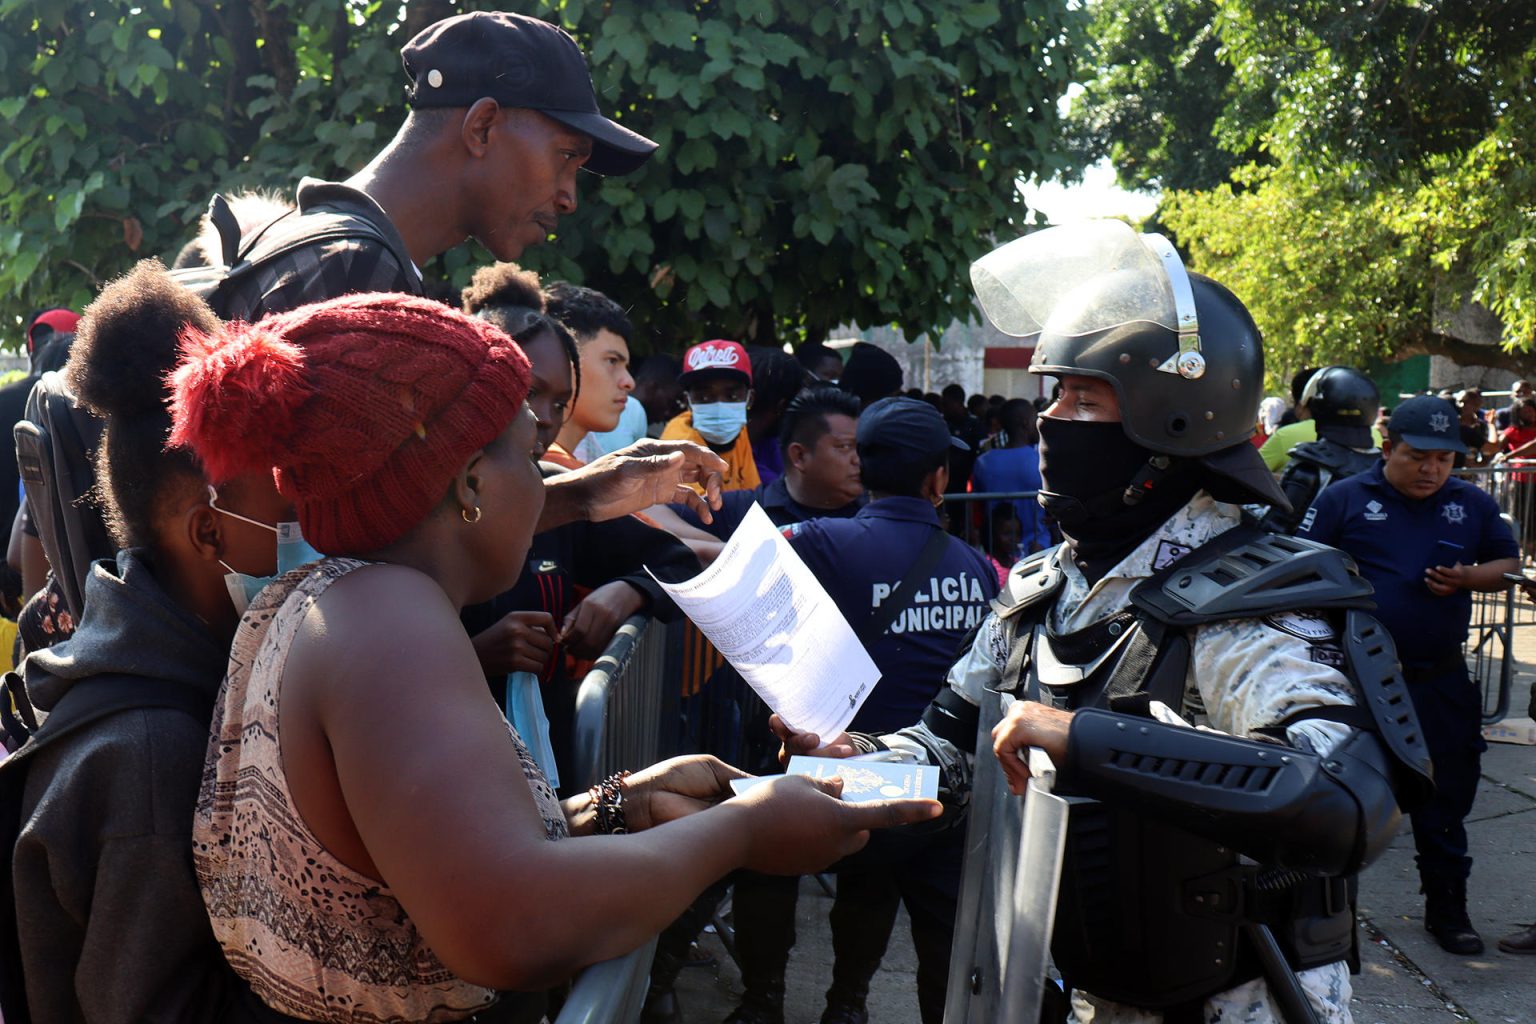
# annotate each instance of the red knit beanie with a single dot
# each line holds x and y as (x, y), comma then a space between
(365, 406)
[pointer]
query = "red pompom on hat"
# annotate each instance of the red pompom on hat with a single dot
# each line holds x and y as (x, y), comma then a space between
(365, 406)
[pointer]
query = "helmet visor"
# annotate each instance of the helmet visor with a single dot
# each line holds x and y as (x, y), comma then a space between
(1037, 283)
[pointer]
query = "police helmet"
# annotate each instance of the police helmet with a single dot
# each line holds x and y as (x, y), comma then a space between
(1181, 351)
(1341, 395)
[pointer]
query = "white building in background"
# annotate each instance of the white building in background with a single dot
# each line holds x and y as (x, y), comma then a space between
(978, 357)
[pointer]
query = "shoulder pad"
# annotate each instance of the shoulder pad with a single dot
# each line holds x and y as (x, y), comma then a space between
(1035, 579)
(1246, 573)
(1323, 452)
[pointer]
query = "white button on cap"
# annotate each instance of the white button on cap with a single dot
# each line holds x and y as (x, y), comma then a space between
(435, 78)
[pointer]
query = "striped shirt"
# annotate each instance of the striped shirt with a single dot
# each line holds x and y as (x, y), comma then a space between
(330, 267)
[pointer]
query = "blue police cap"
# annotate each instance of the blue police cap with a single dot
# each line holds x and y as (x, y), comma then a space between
(1427, 423)
(905, 426)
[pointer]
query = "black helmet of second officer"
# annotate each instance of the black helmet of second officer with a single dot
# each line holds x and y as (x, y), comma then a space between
(1344, 403)
(1181, 351)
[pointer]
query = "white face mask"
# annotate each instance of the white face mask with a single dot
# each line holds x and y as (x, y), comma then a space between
(720, 422)
(292, 551)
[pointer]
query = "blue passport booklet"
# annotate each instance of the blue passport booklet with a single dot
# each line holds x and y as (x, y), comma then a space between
(862, 780)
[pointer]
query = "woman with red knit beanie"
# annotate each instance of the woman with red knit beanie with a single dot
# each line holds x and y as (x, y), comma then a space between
(372, 840)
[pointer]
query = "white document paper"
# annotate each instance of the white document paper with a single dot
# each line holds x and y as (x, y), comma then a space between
(777, 626)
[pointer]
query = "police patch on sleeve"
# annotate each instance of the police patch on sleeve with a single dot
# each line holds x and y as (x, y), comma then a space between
(1309, 626)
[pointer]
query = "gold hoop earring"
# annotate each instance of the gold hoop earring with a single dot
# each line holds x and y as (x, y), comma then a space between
(466, 517)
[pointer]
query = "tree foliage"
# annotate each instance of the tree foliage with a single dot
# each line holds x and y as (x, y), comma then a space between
(820, 163)
(1388, 183)
(1162, 104)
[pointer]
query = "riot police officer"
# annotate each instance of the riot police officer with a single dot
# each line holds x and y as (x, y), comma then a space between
(1343, 403)
(1191, 854)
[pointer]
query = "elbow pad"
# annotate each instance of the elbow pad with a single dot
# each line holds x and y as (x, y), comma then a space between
(1278, 805)
(953, 719)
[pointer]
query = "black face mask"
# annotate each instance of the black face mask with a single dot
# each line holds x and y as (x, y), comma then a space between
(1086, 468)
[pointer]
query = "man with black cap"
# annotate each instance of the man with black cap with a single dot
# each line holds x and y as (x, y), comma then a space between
(1425, 539)
(1207, 870)
(503, 116)
(911, 592)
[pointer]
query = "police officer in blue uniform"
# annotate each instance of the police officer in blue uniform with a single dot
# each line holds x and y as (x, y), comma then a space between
(1425, 540)
(912, 593)
(817, 436)
(904, 447)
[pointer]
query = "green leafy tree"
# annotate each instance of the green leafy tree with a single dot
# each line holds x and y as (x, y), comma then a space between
(820, 163)
(1388, 181)
(1160, 102)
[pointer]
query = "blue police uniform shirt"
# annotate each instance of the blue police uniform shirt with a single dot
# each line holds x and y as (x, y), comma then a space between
(776, 501)
(860, 560)
(1394, 539)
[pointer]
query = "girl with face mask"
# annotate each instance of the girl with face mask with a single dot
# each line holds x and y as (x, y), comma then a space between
(110, 923)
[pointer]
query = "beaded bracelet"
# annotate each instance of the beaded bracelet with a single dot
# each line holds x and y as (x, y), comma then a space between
(608, 804)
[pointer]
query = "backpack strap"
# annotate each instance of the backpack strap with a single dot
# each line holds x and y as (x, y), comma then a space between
(55, 444)
(338, 213)
(901, 594)
(228, 226)
(18, 719)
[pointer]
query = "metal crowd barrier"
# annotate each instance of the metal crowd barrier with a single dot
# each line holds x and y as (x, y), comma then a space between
(611, 992)
(625, 709)
(1500, 618)
(624, 719)
(962, 502)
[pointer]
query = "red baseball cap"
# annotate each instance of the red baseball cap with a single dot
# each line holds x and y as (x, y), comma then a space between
(62, 321)
(717, 356)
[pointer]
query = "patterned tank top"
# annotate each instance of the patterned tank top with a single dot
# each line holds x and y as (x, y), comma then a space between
(313, 938)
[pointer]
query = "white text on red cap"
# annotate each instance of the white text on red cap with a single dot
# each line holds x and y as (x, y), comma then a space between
(713, 357)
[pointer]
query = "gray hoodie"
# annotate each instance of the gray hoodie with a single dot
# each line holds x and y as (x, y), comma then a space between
(111, 922)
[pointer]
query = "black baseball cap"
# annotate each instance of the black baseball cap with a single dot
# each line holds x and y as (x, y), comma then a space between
(1427, 423)
(518, 61)
(904, 427)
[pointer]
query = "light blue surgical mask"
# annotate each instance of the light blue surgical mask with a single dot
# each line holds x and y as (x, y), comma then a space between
(720, 422)
(293, 551)
(525, 710)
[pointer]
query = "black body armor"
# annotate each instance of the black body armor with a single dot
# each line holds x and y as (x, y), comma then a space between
(1177, 838)
(1313, 466)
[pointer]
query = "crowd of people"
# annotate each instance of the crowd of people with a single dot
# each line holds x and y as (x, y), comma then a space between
(307, 567)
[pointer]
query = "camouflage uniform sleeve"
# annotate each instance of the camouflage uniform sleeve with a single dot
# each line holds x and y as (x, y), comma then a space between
(1254, 674)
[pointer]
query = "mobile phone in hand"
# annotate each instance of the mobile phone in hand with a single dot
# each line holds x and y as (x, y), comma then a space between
(1515, 577)
(1446, 554)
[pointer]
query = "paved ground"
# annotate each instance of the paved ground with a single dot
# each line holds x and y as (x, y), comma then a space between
(1406, 978)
